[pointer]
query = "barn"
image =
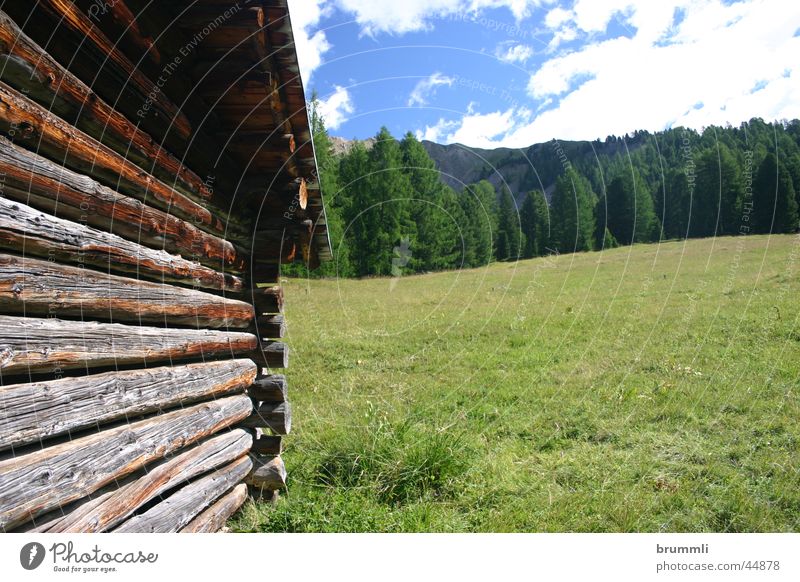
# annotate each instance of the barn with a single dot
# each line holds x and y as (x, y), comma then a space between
(156, 170)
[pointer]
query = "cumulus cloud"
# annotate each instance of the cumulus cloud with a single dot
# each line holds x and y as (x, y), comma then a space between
(427, 87)
(514, 53)
(413, 15)
(310, 44)
(336, 108)
(686, 62)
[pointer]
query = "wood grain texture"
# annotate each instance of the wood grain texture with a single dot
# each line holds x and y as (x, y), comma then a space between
(119, 503)
(43, 288)
(271, 326)
(172, 514)
(28, 68)
(31, 232)
(56, 139)
(265, 444)
(38, 482)
(275, 416)
(269, 388)
(268, 473)
(214, 518)
(39, 410)
(29, 345)
(38, 182)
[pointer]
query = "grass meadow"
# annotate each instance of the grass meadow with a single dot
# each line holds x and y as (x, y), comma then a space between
(647, 388)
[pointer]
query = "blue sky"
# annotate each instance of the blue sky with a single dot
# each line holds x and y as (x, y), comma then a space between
(491, 73)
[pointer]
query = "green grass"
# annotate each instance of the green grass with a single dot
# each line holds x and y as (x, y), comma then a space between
(646, 388)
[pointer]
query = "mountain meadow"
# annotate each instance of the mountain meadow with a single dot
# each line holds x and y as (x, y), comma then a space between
(653, 387)
(583, 336)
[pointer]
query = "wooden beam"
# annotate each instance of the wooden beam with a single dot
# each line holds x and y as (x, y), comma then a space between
(39, 346)
(39, 410)
(271, 354)
(108, 508)
(35, 287)
(266, 444)
(34, 180)
(30, 69)
(30, 232)
(37, 482)
(177, 510)
(214, 518)
(89, 52)
(268, 473)
(268, 300)
(56, 139)
(271, 326)
(269, 388)
(275, 416)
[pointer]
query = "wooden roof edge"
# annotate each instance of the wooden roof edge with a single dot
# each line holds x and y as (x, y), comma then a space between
(301, 125)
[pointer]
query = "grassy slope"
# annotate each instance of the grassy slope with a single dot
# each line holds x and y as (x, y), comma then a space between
(645, 388)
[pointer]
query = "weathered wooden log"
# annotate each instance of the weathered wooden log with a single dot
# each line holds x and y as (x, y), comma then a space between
(35, 483)
(31, 232)
(110, 506)
(268, 300)
(181, 507)
(267, 473)
(264, 274)
(34, 180)
(36, 346)
(56, 139)
(271, 355)
(88, 51)
(276, 416)
(30, 69)
(214, 518)
(43, 288)
(269, 388)
(266, 444)
(271, 326)
(39, 410)
(273, 250)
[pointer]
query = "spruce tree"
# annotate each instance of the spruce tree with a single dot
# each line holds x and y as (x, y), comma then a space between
(435, 230)
(535, 223)
(631, 213)
(573, 213)
(479, 204)
(508, 228)
(774, 202)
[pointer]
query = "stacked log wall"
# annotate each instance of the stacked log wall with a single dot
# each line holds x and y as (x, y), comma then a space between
(142, 229)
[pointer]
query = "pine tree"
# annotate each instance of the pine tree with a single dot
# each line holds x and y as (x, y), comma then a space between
(774, 202)
(631, 213)
(436, 231)
(390, 220)
(509, 233)
(535, 223)
(479, 204)
(717, 206)
(573, 213)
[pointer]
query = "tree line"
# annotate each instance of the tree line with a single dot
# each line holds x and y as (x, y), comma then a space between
(389, 213)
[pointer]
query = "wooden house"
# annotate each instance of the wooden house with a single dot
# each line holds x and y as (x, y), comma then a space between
(156, 169)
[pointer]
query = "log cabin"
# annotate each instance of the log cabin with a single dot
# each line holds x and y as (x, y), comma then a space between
(156, 170)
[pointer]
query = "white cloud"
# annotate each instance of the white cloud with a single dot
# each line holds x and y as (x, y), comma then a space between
(336, 108)
(427, 87)
(558, 16)
(514, 53)
(310, 44)
(696, 72)
(413, 15)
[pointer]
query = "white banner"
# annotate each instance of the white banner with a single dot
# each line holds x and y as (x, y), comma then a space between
(406, 557)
